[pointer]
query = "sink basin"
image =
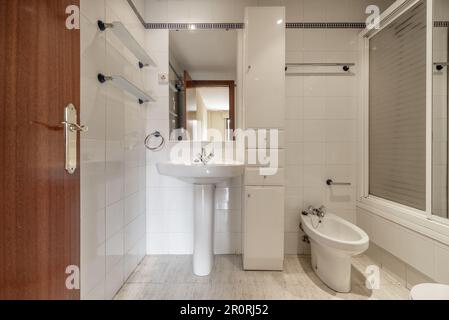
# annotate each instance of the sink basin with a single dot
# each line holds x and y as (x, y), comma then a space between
(201, 174)
(204, 178)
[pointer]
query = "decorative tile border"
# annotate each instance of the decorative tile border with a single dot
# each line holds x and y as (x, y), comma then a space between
(230, 26)
(441, 24)
(325, 25)
(191, 26)
(227, 26)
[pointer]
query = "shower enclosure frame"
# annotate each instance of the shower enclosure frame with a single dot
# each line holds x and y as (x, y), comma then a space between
(420, 221)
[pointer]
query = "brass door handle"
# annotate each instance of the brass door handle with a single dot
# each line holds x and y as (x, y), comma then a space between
(75, 127)
(71, 138)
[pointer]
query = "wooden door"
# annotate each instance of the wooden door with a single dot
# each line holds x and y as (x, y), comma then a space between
(39, 200)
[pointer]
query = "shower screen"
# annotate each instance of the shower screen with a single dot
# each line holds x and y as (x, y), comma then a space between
(397, 110)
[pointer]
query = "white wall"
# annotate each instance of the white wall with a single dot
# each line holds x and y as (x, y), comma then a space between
(321, 124)
(406, 248)
(112, 154)
(320, 128)
(196, 11)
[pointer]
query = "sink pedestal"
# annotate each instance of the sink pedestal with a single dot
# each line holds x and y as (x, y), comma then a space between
(204, 179)
(203, 254)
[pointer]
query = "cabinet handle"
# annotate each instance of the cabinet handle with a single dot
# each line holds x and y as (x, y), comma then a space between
(249, 196)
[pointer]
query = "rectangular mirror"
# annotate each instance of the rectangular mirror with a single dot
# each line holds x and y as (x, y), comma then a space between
(203, 73)
(440, 109)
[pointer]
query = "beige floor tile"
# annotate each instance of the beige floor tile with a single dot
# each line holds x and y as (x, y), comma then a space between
(171, 278)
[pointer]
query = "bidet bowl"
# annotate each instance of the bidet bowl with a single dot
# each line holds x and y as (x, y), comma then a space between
(334, 241)
(336, 233)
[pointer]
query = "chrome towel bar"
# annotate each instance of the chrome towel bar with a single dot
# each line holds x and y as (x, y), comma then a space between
(330, 182)
(345, 66)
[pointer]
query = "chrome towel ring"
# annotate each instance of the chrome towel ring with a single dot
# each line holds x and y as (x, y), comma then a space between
(150, 137)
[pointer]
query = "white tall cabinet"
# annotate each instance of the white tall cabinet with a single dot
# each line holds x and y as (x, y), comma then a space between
(264, 108)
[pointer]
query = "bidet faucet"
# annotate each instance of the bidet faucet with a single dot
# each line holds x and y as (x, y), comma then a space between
(204, 158)
(319, 212)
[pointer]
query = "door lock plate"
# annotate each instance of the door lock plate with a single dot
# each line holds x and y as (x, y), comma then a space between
(71, 138)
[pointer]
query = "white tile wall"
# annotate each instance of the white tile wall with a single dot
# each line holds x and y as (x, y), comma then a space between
(405, 249)
(233, 10)
(321, 114)
(320, 124)
(321, 128)
(112, 156)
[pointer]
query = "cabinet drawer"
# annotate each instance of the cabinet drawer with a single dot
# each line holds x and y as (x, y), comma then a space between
(254, 178)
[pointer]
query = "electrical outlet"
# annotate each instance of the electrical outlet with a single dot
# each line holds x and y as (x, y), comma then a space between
(163, 78)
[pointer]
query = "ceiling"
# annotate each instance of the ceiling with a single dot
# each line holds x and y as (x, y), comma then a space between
(215, 99)
(205, 51)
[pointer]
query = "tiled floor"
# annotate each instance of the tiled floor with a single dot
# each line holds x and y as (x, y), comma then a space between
(170, 277)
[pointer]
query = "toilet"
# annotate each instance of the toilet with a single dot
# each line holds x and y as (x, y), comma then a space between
(430, 291)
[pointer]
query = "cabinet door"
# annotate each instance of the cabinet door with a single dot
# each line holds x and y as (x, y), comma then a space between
(265, 67)
(264, 228)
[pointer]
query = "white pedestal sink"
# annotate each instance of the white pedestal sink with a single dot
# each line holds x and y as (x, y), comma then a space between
(204, 178)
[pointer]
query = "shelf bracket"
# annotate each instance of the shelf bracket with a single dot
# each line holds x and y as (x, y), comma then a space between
(103, 26)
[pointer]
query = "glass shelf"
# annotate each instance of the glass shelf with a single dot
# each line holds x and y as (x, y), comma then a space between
(123, 34)
(127, 86)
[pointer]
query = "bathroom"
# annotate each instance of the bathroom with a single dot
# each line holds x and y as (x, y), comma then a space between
(224, 150)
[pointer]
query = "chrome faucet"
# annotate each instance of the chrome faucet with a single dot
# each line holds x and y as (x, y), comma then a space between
(204, 158)
(319, 212)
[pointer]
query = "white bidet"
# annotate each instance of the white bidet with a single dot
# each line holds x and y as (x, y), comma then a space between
(334, 242)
